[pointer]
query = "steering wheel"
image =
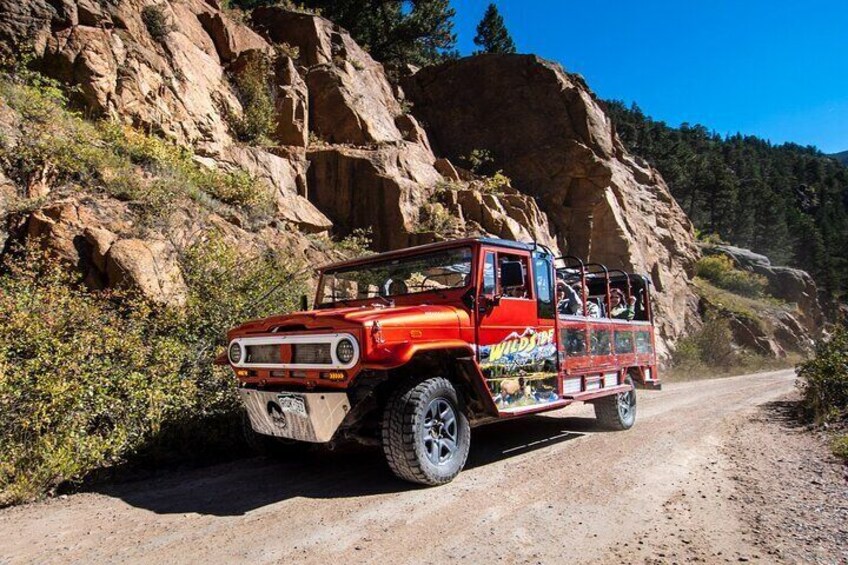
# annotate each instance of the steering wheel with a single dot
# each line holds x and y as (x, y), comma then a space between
(394, 287)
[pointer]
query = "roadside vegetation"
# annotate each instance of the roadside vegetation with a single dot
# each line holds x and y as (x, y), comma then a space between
(727, 293)
(91, 379)
(710, 352)
(720, 271)
(823, 381)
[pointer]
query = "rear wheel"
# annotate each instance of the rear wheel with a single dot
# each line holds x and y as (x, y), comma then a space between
(426, 436)
(617, 412)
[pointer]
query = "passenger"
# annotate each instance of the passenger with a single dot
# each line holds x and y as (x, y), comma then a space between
(570, 302)
(618, 309)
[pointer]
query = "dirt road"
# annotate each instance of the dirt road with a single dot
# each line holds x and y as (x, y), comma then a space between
(552, 488)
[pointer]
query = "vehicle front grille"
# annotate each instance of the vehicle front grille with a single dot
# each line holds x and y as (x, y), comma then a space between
(262, 354)
(311, 353)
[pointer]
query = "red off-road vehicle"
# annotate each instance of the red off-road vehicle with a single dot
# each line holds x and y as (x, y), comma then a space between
(412, 348)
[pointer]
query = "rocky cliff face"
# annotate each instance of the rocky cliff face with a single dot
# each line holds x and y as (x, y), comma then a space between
(548, 133)
(345, 152)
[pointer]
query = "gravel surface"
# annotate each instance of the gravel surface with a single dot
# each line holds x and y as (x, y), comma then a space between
(712, 472)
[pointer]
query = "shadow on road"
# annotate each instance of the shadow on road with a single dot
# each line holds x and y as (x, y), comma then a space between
(351, 471)
(788, 413)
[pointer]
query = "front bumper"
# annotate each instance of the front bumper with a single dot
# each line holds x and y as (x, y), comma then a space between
(309, 416)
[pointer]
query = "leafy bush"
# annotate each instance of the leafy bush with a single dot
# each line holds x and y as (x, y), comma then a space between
(719, 270)
(156, 21)
(710, 346)
(496, 184)
(82, 380)
(437, 219)
(839, 445)
(824, 379)
(90, 379)
(258, 119)
(479, 162)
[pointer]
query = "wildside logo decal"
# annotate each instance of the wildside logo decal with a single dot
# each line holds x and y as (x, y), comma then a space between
(521, 370)
(525, 350)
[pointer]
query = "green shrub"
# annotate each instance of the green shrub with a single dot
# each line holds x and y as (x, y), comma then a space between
(156, 21)
(710, 346)
(823, 380)
(82, 380)
(90, 379)
(436, 218)
(496, 184)
(479, 162)
(839, 445)
(358, 243)
(719, 270)
(258, 119)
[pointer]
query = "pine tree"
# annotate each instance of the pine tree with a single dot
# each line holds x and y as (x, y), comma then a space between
(395, 32)
(492, 35)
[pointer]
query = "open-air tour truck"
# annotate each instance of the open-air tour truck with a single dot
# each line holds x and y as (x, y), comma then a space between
(410, 349)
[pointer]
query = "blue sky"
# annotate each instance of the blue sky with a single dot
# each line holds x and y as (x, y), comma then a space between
(776, 69)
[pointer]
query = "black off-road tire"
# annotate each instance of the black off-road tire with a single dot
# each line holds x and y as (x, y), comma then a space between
(409, 440)
(617, 412)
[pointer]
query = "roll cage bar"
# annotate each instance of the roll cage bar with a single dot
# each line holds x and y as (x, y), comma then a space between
(574, 267)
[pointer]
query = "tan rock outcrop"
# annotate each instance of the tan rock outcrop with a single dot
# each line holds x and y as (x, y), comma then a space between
(785, 283)
(285, 178)
(174, 85)
(547, 132)
(350, 99)
(148, 266)
(380, 190)
(292, 105)
(231, 39)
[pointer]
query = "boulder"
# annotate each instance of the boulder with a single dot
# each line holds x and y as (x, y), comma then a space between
(785, 283)
(148, 266)
(285, 178)
(795, 285)
(744, 258)
(509, 216)
(549, 134)
(749, 334)
(382, 190)
(101, 241)
(231, 39)
(446, 169)
(291, 104)
(350, 99)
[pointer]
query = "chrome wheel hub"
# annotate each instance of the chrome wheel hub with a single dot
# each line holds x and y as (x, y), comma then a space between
(440, 431)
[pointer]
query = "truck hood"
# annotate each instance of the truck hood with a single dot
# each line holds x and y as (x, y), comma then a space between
(334, 319)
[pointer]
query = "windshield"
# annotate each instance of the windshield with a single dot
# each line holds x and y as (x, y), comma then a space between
(440, 270)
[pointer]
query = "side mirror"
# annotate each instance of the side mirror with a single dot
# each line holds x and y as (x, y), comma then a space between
(487, 302)
(304, 303)
(512, 274)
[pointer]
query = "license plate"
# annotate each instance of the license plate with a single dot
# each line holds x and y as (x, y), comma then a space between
(292, 404)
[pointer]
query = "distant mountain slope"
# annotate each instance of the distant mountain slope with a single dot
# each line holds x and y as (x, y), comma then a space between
(786, 201)
(841, 157)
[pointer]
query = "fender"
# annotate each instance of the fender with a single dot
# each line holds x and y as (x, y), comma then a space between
(400, 354)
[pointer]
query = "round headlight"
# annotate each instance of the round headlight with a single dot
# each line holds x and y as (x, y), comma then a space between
(344, 351)
(235, 353)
